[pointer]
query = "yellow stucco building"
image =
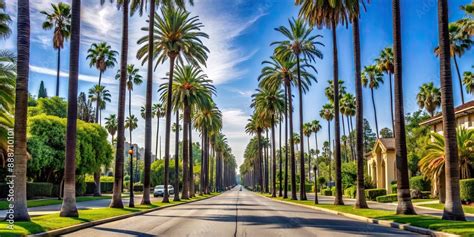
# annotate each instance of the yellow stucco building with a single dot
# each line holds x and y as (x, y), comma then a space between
(382, 163)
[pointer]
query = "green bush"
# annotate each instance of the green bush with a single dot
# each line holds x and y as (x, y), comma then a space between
(420, 183)
(333, 191)
(372, 194)
(3, 190)
(138, 187)
(387, 198)
(326, 192)
(105, 187)
(38, 190)
(394, 188)
(467, 190)
(350, 192)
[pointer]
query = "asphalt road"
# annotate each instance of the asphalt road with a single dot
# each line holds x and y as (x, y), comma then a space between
(238, 213)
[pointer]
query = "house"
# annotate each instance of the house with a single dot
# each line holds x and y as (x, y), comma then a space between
(464, 118)
(381, 163)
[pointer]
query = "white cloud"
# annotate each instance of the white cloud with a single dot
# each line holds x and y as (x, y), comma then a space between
(234, 121)
(82, 77)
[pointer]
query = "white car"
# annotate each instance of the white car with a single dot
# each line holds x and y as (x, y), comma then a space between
(160, 190)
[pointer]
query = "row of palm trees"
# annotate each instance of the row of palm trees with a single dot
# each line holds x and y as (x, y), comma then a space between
(172, 35)
(330, 14)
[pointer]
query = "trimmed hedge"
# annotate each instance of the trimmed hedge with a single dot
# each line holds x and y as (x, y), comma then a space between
(105, 187)
(372, 194)
(326, 192)
(350, 192)
(467, 190)
(138, 187)
(333, 191)
(394, 188)
(420, 183)
(387, 198)
(38, 190)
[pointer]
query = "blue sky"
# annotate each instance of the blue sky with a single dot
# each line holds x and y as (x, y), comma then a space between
(240, 35)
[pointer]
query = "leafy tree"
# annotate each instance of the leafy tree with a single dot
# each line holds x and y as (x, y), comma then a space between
(56, 106)
(42, 93)
(386, 133)
(369, 137)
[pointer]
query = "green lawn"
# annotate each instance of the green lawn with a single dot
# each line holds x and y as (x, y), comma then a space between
(440, 206)
(425, 221)
(53, 221)
(47, 202)
(423, 200)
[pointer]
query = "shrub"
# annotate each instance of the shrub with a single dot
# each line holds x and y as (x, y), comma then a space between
(105, 187)
(394, 188)
(387, 198)
(467, 190)
(308, 187)
(420, 183)
(138, 187)
(333, 191)
(38, 190)
(321, 181)
(372, 194)
(350, 192)
(326, 192)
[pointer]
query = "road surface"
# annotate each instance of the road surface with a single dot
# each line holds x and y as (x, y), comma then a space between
(238, 213)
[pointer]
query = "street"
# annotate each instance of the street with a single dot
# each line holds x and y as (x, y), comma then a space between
(238, 213)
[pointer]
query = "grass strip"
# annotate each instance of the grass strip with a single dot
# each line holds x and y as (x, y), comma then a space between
(47, 202)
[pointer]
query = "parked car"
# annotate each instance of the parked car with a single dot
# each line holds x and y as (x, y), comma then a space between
(160, 190)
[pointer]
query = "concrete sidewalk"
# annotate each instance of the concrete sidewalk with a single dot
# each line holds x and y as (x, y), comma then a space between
(386, 206)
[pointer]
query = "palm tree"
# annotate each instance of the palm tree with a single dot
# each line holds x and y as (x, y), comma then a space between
(429, 98)
(269, 103)
(68, 208)
(299, 43)
(5, 19)
(405, 205)
(327, 113)
(453, 208)
(330, 13)
(467, 23)
(372, 78)
(158, 111)
(176, 129)
(101, 96)
(468, 81)
(255, 126)
(432, 165)
(385, 64)
(8, 69)
(178, 41)
(348, 105)
(59, 19)
(190, 88)
(21, 102)
(101, 56)
(307, 132)
(111, 125)
(458, 45)
(131, 123)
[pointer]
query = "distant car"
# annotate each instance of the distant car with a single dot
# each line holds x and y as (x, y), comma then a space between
(160, 190)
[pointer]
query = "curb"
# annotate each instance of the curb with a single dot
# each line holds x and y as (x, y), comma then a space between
(391, 224)
(77, 227)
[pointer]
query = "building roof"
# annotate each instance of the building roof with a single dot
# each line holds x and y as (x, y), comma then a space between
(388, 143)
(464, 109)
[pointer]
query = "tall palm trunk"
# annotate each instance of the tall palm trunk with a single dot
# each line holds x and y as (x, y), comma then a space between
(349, 128)
(97, 191)
(309, 160)
(285, 193)
(405, 205)
(280, 188)
(157, 137)
(391, 100)
(168, 128)
(68, 208)
(452, 208)
(344, 135)
(260, 159)
(266, 180)
(360, 193)
(459, 78)
(300, 98)
(176, 160)
(273, 158)
(131, 203)
(292, 147)
(119, 154)
(148, 113)
(191, 161)
(337, 137)
(21, 115)
(375, 112)
(186, 118)
(201, 175)
(330, 151)
(58, 71)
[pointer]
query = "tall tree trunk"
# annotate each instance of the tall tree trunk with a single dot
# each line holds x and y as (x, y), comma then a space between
(315, 186)
(168, 129)
(68, 208)
(260, 159)
(119, 153)
(344, 135)
(452, 208)
(285, 193)
(375, 112)
(337, 153)
(405, 205)
(292, 148)
(300, 98)
(191, 161)
(201, 175)
(280, 188)
(360, 193)
(309, 160)
(176, 160)
(266, 180)
(97, 172)
(186, 118)
(131, 202)
(330, 152)
(350, 137)
(21, 115)
(391, 100)
(157, 137)
(58, 71)
(459, 78)
(273, 158)
(148, 113)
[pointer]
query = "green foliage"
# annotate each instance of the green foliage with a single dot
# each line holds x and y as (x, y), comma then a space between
(369, 136)
(55, 106)
(394, 188)
(387, 198)
(326, 192)
(417, 138)
(42, 93)
(158, 170)
(90, 178)
(46, 144)
(38, 190)
(420, 183)
(467, 190)
(349, 174)
(350, 192)
(372, 194)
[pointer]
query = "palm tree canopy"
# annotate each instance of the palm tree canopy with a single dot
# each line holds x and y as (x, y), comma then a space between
(329, 91)
(385, 61)
(5, 19)
(99, 93)
(458, 42)
(348, 104)
(101, 56)
(111, 124)
(131, 122)
(175, 34)
(315, 126)
(208, 117)
(327, 112)
(158, 110)
(326, 13)
(429, 97)
(58, 19)
(468, 80)
(307, 129)
(134, 78)
(141, 5)
(371, 77)
(268, 102)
